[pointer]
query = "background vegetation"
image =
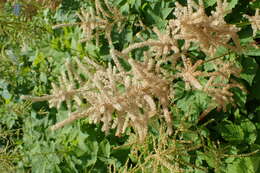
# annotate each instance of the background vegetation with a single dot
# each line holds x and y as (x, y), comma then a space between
(32, 56)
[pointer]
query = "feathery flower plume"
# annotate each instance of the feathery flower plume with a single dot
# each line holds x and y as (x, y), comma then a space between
(193, 25)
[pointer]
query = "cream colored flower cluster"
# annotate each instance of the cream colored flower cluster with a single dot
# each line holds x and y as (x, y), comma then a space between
(117, 99)
(193, 25)
(120, 98)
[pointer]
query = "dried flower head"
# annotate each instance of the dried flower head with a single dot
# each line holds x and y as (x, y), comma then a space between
(97, 20)
(193, 25)
(218, 83)
(117, 99)
(91, 24)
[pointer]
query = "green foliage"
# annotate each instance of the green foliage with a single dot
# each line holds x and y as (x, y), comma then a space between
(32, 56)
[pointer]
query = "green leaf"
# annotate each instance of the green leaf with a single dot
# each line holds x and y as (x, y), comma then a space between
(239, 96)
(165, 12)
(125, 9)
(138, 4)
(36, 167)
(81, 143)
(221, 51)
(74, 44)
(249, 131)
(256, 161)
(232, 4)
(241, 165)
(39, 58)
(92, 151)
(252, 52)
(105, 148)
(92, 50)
(249, 69)
(231, 132)
(209, 3)
(255, 4)
(43, 77)
(209, 66)
(193, 103)
(5, 94)
(209, 157)
(155, 19)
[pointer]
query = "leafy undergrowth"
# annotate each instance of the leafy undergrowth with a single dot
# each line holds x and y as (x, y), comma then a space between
(66, 57)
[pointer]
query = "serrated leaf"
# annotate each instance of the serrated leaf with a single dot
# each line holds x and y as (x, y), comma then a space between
(92, 50)
(179, 89)
(231, 132)
(256, 161)
(221, 51)
(105, 148)
(209, 3)
(125, 9)
(92, 150)
(81, 141)
(239, 96)
(155, 19)
(126, 36)
(165, 12)
(241, 165)
(39, 58)
(252, 52)
(193, 103)
(249, 69)
(209, 157)
(36, 167)
(138, 4)
(209, 66)
(249, 131)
